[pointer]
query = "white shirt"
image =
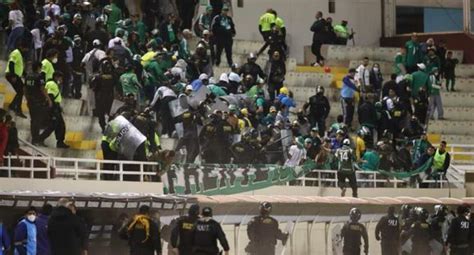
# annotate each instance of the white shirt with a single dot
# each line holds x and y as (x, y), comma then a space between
(297, 155)
(161, 93)
(363, 75)
(98, 53)
(37, 40)
(16, 17)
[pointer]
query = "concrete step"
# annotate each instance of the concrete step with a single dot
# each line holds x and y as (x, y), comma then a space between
(239, 46)
(451, 127)
(458, 99)
(464, 84)
(459, 113)
(85, 124)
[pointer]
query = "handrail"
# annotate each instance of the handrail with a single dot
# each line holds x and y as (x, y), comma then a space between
(35, 151)
(93, 169)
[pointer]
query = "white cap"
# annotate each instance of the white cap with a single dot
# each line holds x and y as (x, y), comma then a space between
(206, 32)
(234, 77)
(176, 71)
(421, 66)
(224, 78)
(96, 42)
(203, 76)
(77, 16)
(189, 87)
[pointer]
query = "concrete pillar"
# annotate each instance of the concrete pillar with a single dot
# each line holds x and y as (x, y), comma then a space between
(389, 18)
(467, 16)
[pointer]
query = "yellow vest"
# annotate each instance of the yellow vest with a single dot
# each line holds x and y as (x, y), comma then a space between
(279, 22)
(17, 58)
(47, 68)
(266, 21)
(53, 89)
(438, 160)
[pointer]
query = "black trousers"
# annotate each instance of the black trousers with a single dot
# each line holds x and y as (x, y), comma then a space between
(186, 12)
(56, 125)
(348, 110)
(18, 86)
(274, 89)
(351, 176)
(192, 147)
(459, 251)
(36, 120)
(351, 251)
(109, 155)
(316, 50)
(389, 248)
(224, 44)
(76, 85)
(167, 120)
(319, 122)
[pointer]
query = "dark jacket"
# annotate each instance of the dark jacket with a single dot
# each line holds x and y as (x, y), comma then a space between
(181, 235)
(42, 240)
(367, 114)
(136, 234)
(221, 31)
(376, 79)
(276, 71)
(253, 69)
(319, 30)
(66, 232)
(205, 235)
(388, 228)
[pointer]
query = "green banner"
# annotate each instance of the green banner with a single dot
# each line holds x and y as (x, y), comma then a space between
(227, 179)
(221, 179)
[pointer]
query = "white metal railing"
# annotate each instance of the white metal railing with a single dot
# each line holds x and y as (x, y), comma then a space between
(116, 170)
(365, 179)
(31, 149)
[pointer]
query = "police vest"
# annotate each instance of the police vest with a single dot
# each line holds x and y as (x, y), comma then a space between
(438, 160)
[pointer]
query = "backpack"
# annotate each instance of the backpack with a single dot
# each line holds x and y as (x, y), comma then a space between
(95, 62)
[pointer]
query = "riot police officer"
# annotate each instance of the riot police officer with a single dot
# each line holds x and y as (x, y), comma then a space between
(407, 218)
(459, 232)
(388, 231)
(249, 150)
(420, 233)
(205, 235)
(437, 224)
(319, 109)
(181, 234)
(215, 138)
(263, 232)
(352, 232)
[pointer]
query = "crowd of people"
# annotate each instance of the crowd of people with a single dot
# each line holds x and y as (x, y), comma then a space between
(142, 68)
(61, 230)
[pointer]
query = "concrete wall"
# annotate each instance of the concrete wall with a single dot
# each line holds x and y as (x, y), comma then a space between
(364, 17)
(84, 186)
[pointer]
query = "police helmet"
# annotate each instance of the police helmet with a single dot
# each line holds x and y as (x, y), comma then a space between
(441, 210)
(346, 142)
(233, 108)
(265, 207)
(251, 134)
(207, 212)
(320, 89)
(422, 213)
(355, 214)
(252, 56)
(363, 131)
(405, 210)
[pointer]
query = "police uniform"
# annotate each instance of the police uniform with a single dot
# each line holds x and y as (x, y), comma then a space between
(263, 233)
(190, 136)
(56, 124)
(37, 103)
(319, 109)
(205, 235)
(420, 236)
(459, 236)
(352, 232)
(389, 228)
(182, 234)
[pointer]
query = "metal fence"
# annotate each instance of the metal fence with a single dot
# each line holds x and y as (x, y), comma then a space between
(116, 170)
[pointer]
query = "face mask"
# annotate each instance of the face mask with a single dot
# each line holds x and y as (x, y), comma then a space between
(376, 69)
(55, 60)
(31, 218)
